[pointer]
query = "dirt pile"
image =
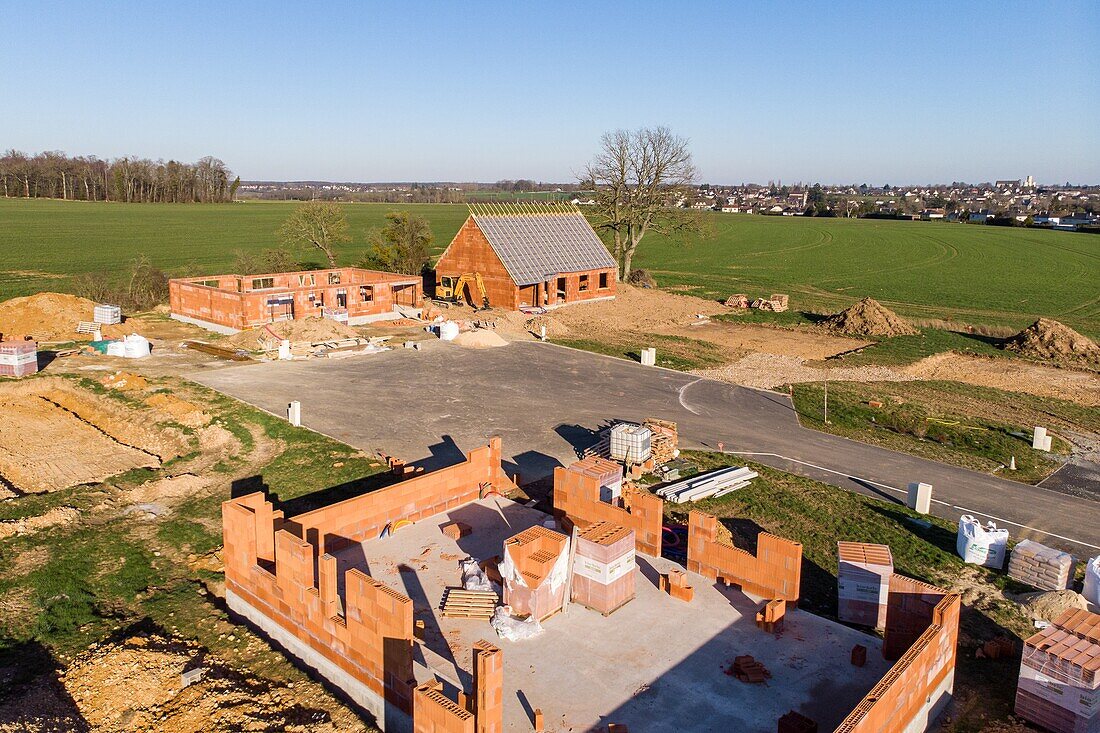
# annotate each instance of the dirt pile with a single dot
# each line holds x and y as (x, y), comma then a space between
(868, 317)
(182, 411)
(45, 316)
(480, 339)
(310, 330)
(124, 381)
(26, 525)
(1049, 605)
(1053, 341)
(150, 669)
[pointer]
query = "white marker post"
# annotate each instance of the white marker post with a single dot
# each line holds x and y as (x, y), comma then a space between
(294, 413)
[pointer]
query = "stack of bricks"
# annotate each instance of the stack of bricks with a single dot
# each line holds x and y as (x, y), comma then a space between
(675, 584)
(608, 473)
(794, 722)
(434, 712)
(18, 358)
(919, 684)
(770, 617)
(534, 552)
(1040, 566)
(577, 499)
(603, 567)
(360, 518)
(774, 572)
(1059, 686)
(747, 669)
(863, 583)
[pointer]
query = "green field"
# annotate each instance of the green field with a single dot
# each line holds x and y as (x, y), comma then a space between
(975, 274)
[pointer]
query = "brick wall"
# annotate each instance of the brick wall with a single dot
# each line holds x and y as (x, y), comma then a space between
(915, 689)
(234, 304)
(577, 498)
(774, 572)
(470, 251)
(272, 570)
(281, 568)
(488, 697)
(434, 712)
(360, 518)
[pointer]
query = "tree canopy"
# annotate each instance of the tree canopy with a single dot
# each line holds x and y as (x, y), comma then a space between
(403, 245)
(638, 178)
(317, 225)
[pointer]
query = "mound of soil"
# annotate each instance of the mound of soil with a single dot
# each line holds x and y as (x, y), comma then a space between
(1049, 605)
(45, 317)
(1053, 341)
(868, 317)
(641, 278)
(305, 330)
(124, 381)
(480, 339)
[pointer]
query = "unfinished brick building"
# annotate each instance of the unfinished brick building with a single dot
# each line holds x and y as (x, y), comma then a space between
(529, 255)
(232, 303)
(324, 585)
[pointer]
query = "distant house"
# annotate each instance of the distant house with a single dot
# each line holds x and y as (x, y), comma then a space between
(531, 255)
(731, 209)
(929, 214)
(980, 217)
(1046, 220)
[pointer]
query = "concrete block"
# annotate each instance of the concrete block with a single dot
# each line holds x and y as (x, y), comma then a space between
(920, 497)
(649, 356)
(1038, 438)
(294, 413)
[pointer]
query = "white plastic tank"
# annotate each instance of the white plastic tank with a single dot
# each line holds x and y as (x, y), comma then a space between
(631, 443)
(448, 331)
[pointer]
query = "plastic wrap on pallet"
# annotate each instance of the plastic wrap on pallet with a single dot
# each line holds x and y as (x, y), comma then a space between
(1040, 566)
(18, 358)
(980, 545)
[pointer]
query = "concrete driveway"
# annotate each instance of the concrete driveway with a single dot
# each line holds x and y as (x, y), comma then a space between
(547, 402)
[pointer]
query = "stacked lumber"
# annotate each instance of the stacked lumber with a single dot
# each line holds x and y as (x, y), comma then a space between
(1040, 566)
(462, 603)
(664, 439)
(747, 669)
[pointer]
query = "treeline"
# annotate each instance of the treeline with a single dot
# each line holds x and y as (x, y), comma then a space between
(53, 174)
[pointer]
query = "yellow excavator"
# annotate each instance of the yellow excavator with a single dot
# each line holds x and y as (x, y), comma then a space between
(450, 288)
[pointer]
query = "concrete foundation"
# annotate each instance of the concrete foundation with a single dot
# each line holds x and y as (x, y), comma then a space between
(389, 717)
(208, 325)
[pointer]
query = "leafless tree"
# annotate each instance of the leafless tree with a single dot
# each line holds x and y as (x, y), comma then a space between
(638, 178)
(317, 225)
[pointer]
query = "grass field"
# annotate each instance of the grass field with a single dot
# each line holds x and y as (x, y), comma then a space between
(977, 274)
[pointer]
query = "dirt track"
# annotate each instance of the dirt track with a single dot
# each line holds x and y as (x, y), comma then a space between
(1011, 374)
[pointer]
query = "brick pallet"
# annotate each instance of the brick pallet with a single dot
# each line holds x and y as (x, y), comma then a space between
(863, 583)
(747, 669)
(603, 567)
(18, 358)
(1059, 684)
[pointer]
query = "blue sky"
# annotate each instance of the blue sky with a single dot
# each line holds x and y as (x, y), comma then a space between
(831, 92)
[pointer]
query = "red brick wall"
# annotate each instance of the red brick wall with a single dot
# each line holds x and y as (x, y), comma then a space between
(227, 306)
(774, 572)
(905, 691)
(577, 497)
(488, 688)
(434, 712)
(270, 560)
(469, 251)
(372, 641)
(364, 517)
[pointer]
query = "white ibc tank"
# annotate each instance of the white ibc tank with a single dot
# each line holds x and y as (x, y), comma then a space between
(631, 443)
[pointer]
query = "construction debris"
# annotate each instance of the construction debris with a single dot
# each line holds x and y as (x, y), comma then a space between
(218, 351)
(770, 617)
(1000, 648)
(675, 584)
(709, 485)
(664, 439)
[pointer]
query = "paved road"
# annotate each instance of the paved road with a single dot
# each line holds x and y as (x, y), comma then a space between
(547, 401)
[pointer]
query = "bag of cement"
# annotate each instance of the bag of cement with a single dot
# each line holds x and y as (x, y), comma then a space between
(980, 545)
(473, 577)
(1091, 591)
(513, 629)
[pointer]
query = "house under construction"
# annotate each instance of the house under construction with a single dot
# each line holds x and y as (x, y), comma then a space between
(383, 595)
(528, 255)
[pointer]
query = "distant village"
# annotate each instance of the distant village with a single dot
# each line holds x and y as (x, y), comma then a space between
(1019, 202)
(1003, 203)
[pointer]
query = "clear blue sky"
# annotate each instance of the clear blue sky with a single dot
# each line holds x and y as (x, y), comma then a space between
(832, 92)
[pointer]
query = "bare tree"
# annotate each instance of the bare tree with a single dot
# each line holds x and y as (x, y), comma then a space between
(317, 225)
(638, 177)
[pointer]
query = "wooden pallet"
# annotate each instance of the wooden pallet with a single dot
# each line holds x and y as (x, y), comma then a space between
(87, 327)
(461, 603)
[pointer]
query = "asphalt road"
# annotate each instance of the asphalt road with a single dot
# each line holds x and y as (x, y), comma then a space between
(547, 402)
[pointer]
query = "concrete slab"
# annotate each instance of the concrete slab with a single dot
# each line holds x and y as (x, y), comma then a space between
(655, 665)
(547, 401)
